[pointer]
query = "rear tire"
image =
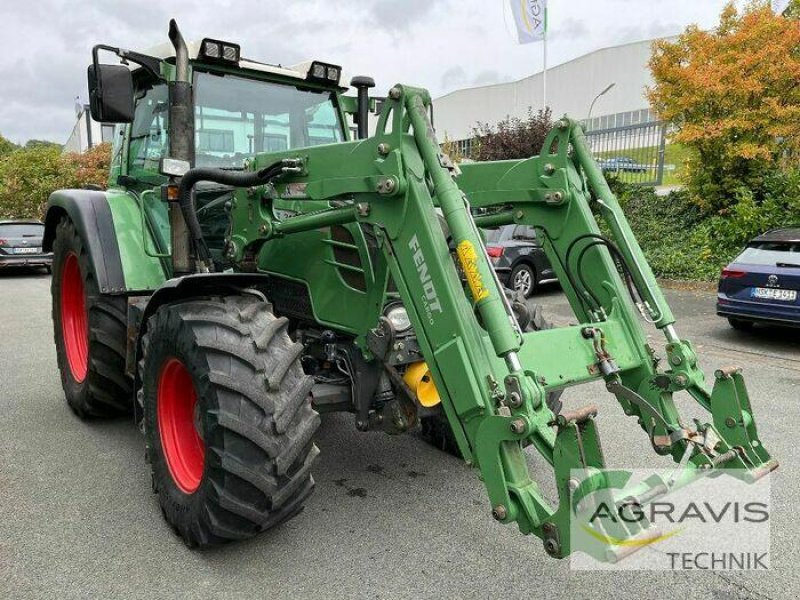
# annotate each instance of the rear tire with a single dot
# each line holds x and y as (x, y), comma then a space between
(740, 325)
(436, 429)
(90, 331)
(228, 418)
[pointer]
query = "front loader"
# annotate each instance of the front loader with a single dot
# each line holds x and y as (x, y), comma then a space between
(252, 266)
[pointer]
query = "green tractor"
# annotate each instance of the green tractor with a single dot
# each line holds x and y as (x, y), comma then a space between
(255, 263)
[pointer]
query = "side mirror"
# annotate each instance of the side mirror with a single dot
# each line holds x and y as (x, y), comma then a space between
(110, 93)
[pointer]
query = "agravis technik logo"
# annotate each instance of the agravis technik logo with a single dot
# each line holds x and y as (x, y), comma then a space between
(638, 520)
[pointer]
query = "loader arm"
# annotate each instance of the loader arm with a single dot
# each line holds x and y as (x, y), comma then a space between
(493, 378)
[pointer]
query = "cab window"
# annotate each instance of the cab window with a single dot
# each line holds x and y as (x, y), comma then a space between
(148, 141)
(236, 118)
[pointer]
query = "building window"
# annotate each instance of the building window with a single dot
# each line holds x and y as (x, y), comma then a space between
(626, 119)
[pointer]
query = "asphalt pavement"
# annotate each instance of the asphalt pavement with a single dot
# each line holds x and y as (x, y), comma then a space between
(391, 516)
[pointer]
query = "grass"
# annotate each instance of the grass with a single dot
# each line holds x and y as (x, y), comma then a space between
(675, 156)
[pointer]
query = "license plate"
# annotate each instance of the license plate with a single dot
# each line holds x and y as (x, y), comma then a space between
(27, 250)
(774, 294)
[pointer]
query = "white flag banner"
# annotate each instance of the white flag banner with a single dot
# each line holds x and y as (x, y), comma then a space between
(529, 16)
(780, 6)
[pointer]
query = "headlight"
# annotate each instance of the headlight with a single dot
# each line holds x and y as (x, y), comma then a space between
(398, 317)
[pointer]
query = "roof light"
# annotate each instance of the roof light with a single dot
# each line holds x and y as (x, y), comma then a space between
(219, 51)
(324, 73)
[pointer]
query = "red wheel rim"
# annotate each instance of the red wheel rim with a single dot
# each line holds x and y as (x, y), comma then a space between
(176, 406)
(73, 318)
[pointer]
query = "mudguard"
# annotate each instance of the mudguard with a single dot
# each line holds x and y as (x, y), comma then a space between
(201, 284)
(91, 215)
(112, 227)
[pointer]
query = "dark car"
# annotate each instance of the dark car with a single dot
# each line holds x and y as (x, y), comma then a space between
(762, 283)
(21, 245)
(622, 164)
(518, 257)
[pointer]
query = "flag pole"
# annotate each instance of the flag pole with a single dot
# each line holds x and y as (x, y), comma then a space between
(544, 53)
(544, 74)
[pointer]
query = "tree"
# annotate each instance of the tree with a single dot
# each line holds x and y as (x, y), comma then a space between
(450, 148)
(29, 175)
(511, 138)
(35, 143)
(6, 146)
(733, 94)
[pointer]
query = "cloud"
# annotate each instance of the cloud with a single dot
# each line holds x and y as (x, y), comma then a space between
(394, 15)
(488, 77)
(569, 29)
(454, 77)
(441, 44)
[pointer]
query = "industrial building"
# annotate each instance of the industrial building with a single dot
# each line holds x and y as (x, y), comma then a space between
(87, 132)
(571, 88)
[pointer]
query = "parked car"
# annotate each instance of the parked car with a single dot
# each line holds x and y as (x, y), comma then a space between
(518, 257)
(762, 284)
(622, 164)
(21, 245)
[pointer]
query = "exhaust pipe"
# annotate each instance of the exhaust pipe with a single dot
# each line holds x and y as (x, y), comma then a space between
(181, 52)
(181, 146)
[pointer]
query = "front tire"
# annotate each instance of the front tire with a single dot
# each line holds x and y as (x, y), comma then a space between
(228, 419)
(90, 331)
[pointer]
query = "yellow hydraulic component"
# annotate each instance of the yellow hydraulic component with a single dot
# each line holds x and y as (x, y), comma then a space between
(418, 378)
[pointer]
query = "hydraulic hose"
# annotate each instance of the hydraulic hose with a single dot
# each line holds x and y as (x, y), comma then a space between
(221, 176)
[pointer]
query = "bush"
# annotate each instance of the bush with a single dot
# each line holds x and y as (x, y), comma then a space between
(511, 138)
(681, 241)
(662, 225)
(29, 175)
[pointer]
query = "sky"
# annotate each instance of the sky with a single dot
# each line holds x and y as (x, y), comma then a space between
(439, 44)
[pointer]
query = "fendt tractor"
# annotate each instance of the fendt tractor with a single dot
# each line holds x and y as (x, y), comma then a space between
(257, 260)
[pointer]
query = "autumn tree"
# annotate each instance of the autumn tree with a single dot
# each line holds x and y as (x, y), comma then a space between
(511, 138)
(29, 175)
(733, 95)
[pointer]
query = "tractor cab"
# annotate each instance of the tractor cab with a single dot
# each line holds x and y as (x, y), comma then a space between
(236, 109)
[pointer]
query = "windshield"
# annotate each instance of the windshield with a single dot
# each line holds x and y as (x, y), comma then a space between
(20, 230)
(236, 118)
(770, 253)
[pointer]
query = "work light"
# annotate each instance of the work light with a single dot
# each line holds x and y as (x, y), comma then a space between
(219, 51)
(324, 72)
